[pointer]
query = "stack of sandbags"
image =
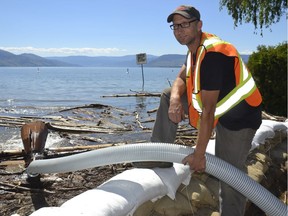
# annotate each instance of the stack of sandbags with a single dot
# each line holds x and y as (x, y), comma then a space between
(201, 196)
(267, 143)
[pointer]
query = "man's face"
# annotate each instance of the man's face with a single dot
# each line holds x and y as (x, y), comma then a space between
(185, 30)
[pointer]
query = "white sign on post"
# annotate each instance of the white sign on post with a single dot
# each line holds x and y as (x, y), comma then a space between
(141, 58)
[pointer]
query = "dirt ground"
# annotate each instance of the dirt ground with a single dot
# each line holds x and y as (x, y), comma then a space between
(23, 195)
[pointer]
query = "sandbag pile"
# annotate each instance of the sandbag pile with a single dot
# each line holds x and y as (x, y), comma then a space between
(171, 191)
(201, 196)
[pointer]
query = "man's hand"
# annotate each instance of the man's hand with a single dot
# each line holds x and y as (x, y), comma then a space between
(197, 162)
(176, 112)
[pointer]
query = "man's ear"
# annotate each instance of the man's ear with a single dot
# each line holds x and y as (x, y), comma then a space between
(199, 25)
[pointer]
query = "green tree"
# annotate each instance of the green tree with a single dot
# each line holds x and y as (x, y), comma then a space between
(269, 68)
(262, 13)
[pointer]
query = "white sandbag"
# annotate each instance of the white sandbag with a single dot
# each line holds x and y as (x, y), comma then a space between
(140, 184)
(286, 124)
(173, 177)
(261, 135)
(99, 202)
(55, 211)
(120, 195)
(274, 124)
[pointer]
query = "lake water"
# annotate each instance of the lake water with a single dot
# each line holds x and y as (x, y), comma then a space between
(46, 88)
(26, 91)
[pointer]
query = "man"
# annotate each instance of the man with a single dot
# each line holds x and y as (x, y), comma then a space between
(217, 91)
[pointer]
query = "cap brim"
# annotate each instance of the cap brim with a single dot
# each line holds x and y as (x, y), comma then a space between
(182, 13)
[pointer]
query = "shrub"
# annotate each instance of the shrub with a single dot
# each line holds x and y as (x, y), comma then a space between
(269, 68)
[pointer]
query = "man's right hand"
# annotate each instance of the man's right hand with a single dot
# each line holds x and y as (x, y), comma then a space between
(176, 112)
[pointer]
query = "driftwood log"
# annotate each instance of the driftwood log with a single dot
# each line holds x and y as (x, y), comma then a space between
(12, 153)
(139, 94)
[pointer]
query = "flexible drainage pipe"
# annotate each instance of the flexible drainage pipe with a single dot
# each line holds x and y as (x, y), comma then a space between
(164, 152)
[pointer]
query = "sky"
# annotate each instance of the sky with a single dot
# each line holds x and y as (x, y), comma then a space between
(117, 27)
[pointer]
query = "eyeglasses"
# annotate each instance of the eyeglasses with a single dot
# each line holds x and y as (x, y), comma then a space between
(182, 25)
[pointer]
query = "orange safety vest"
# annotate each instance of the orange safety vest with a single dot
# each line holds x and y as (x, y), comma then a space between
(245, 86)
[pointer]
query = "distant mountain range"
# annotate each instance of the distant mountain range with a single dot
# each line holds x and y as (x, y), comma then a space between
(171, 60)
(8, 59)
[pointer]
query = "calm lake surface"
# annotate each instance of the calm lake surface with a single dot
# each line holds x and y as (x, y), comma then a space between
(47, 88)
(26, 91)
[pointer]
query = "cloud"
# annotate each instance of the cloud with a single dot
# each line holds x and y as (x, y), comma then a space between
(65, 51)
(246, 52)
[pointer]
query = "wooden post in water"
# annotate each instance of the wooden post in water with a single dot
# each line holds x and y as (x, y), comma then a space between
(142, 78)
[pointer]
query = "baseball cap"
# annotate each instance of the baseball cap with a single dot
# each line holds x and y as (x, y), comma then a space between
(185, 11)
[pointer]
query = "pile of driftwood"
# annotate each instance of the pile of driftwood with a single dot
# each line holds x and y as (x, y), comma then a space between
(94, 126)
(76, 119)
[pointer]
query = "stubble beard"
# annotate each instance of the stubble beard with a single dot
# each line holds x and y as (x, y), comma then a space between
(186, 40)
(191, 41)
